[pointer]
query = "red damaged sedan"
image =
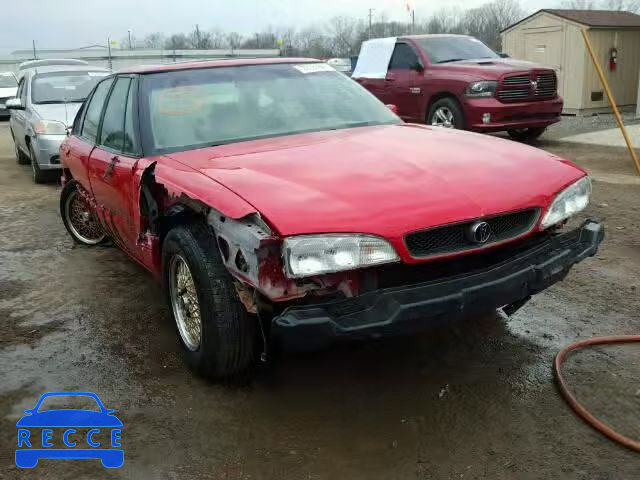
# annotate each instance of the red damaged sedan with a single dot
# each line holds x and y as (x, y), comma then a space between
(278, 200)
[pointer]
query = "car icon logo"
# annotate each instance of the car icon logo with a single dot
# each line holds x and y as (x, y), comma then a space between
(479, 232)
(40, 428)
(534, 85)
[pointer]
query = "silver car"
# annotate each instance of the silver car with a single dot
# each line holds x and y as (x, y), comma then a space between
(47, 101)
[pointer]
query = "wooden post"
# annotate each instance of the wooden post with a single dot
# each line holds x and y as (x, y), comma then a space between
(612, 100)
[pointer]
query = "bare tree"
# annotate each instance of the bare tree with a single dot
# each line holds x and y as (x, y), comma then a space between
(623, 5)
(218, 38)
(344, 35)
(200, 40)
(579, 4)
(154, 40)
(234, 40)
(177, 41)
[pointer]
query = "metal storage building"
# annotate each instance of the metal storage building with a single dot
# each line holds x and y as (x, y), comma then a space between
(553, 38)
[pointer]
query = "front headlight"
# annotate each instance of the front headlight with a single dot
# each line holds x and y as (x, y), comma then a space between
(486, 88)
(308, 255)
(567, 203)
(49, 127)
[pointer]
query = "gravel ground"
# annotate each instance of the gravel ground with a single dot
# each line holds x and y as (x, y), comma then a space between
(570, 125)
(467, 400)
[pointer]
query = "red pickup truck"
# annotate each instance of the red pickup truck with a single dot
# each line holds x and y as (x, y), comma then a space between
(456, 81)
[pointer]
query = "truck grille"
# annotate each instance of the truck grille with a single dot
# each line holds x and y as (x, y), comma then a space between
(547, 85)
(521, 87)
(456, 237)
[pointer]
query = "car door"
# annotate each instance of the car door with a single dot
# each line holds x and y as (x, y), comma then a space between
(112, 165)
(403, 83)
(17, 122)
(77, 149)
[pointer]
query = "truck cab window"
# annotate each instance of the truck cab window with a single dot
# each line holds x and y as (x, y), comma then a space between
(403, 58)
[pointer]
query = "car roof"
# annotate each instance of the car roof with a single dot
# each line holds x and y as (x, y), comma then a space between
(68, 68)
(226, 62)
(432, 35)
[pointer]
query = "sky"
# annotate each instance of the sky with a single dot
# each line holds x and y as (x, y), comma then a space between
(73, 23)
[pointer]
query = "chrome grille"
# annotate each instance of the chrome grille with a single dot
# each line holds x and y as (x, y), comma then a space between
(516, 80)
(547, 85)
(513, 94)
(454, 238)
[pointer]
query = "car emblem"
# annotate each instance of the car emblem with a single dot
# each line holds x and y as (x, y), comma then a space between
(534, 85)
(480, 232)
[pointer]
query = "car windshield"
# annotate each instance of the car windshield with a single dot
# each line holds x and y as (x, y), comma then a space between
(65, 402)
(8, 81)
(188, 109)
(63, 87)
(455, 49)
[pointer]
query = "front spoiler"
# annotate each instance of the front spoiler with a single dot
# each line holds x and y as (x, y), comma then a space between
(402, 309)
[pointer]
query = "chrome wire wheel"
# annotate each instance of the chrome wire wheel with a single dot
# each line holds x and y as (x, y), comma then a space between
(184, 303)
(82, 220)
(443, 117)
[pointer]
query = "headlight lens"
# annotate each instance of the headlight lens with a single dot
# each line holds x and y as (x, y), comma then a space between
(568, 202)
(485, 88)
(49, 127)
(308, 255)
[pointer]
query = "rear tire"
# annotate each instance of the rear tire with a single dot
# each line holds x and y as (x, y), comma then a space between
(218, 336)
(526, 135)
(446, 113)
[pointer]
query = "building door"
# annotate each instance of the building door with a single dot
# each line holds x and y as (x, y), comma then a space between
(545, 48)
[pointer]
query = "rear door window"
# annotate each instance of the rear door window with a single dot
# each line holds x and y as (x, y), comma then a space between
(403, 58)
(112, 134)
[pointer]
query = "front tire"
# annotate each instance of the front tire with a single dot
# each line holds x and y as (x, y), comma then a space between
(218, 336)
(446, 113)
(21, 158)
(79, 218)
(526, 135)
(38, 175)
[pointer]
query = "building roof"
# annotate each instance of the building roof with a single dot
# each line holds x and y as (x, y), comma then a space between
(232, 62)
(591, 18)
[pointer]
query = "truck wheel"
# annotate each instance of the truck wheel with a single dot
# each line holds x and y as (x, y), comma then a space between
(526, 134)
(21, 158)
(79, 218)
(217, 334)
(446, 113)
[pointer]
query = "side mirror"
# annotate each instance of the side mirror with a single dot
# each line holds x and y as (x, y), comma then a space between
(393, 108)
(69, 130)
(14, 104)
(504, 55)
(418, 67)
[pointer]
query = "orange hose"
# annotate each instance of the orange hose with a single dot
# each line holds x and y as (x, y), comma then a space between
(577, 406)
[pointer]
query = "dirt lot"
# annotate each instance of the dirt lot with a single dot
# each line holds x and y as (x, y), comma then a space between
(468, 400)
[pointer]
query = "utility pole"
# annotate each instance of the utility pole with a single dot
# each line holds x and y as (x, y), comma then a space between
(371, 10)
(130, 43)
(413, 21)
(109, 50)
(35, 56)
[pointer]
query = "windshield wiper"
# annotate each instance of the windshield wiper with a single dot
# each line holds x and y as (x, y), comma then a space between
(452, 60)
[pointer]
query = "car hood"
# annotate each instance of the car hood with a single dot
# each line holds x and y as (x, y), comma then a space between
(385, 180)
(492, 68)
(8, 92)
(69, 418)
(62, 112)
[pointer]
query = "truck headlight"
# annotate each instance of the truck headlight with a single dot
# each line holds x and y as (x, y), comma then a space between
(567, 203)
(485, 88)
(49, 127)
(308, 255)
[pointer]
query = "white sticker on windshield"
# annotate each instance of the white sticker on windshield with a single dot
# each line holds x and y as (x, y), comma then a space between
(98, 74)
(313, 68)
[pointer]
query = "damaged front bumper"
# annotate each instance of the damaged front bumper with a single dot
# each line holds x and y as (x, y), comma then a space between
(406, 308)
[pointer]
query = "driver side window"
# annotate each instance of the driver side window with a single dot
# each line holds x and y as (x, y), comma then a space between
(403, 58)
